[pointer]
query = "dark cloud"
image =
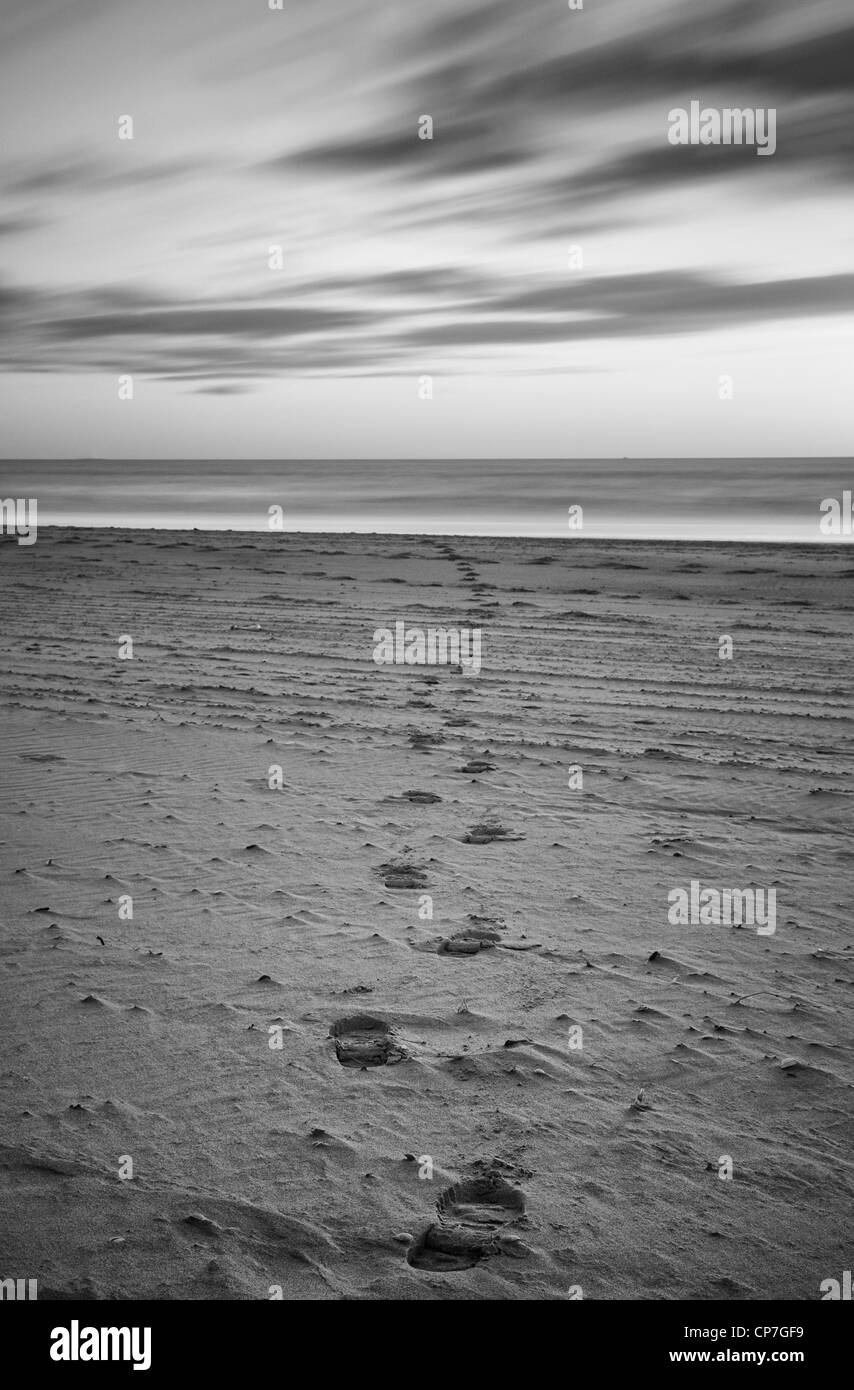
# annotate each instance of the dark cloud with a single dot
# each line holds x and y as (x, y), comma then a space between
(16, 225)
(496, 79)
(49, 177)
(96, 329)
(219, 343)
(252, 321)
(370, 152)
(649, 305)
(85, 174)
(683, 59)
(458, 147)
(229, 388)
(817, 143)
(24, 20)
(431, 284)
(18, 310)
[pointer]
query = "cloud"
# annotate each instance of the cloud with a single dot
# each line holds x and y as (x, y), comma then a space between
(90, 174)
(16, 225)
(548, 107)
(458, 147)
(228, 388)
(668, 301)
(550, 128)
(232, 341)
(687, 52)
(817, 142)
(233, 321)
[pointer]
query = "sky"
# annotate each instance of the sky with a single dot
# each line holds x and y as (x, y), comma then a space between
(404, 258)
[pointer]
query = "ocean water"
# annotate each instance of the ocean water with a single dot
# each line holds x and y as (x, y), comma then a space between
(704, 499)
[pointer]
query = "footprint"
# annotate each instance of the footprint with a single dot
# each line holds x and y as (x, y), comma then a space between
(403, 875)
(364, 1041)
(423, 741)
(486, 833)
(474, 1217)
(398, 879)
(469, 941)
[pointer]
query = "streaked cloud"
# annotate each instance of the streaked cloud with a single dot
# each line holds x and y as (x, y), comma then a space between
(256, 128)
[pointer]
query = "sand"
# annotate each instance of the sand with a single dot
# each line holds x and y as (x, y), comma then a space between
(427, 1127)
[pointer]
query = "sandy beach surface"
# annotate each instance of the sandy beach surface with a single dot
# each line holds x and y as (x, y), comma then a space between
(500, 1150)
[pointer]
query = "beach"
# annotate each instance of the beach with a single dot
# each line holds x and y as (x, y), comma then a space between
(224, 843)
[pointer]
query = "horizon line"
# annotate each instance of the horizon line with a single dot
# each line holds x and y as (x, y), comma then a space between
(414, 458)
(830, 541)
